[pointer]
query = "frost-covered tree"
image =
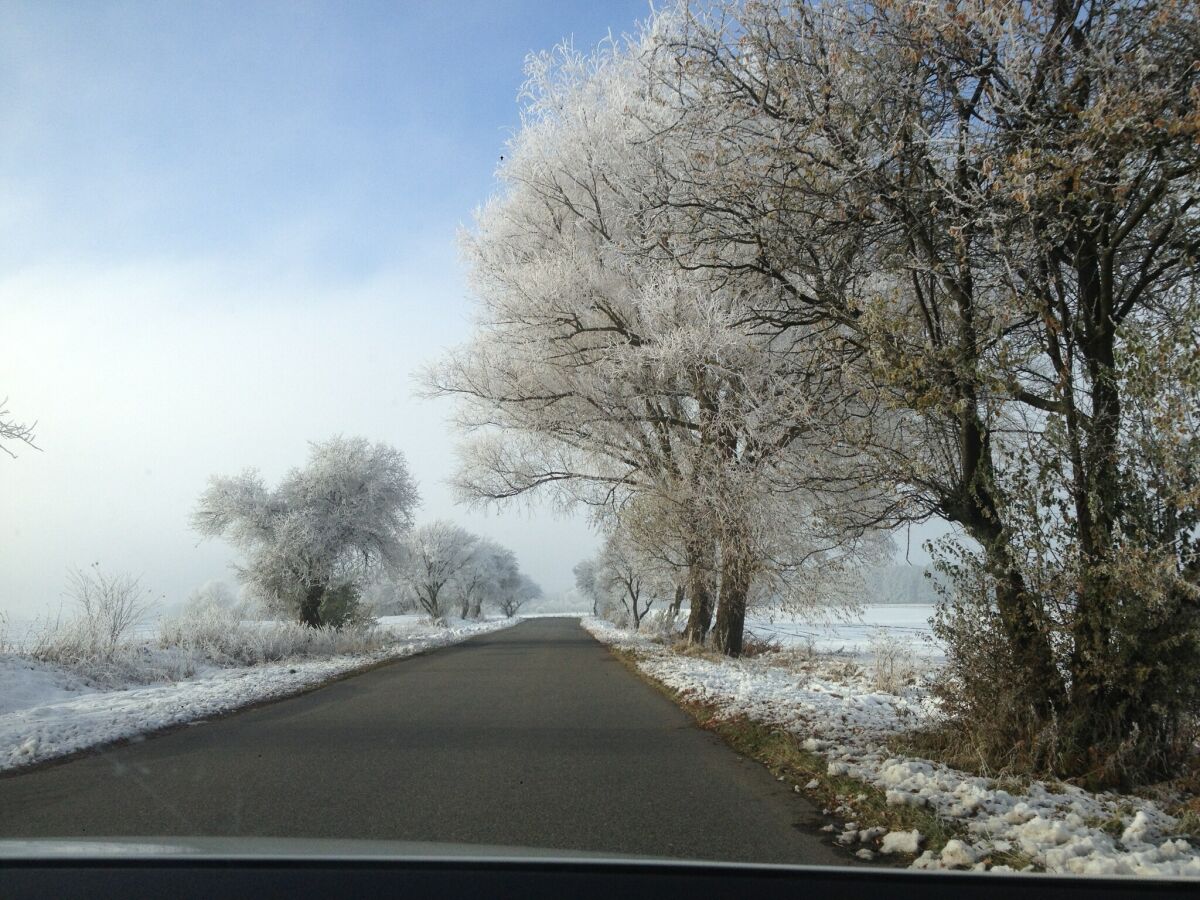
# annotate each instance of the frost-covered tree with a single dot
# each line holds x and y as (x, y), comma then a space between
(12, 430)
(626, 579)
(985, 215)
(437, 554)
(480, 582)
(606, 377)
(213, 593)
(514, 591)
(311, 540)
(586, 584)
(776, 274)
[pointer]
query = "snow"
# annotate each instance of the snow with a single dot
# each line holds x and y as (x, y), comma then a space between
(26, 682)
(46, 712)
(852, 635)
(832, 706)
(901, 842)
(956, 854)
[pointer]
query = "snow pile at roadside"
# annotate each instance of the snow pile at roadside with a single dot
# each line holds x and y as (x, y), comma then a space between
(845, 720)
(47, 712)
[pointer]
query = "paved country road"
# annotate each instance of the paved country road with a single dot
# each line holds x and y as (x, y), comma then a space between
(534, 736)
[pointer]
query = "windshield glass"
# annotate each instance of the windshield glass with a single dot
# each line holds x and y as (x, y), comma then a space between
(738, 431)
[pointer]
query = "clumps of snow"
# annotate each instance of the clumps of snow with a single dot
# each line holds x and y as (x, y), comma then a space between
(837, 711)
(48, 712)
(1137, 829)
(901, 842)
(958, 855)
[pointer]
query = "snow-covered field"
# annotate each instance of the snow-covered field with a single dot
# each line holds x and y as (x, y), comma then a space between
(839, 714)
(47, 711)
(905, 623)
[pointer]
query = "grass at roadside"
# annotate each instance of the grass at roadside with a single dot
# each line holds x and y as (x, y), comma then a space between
(843, 797)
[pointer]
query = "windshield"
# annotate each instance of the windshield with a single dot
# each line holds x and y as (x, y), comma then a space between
(735, 431)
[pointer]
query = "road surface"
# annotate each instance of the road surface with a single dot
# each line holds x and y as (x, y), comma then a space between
(534, 736)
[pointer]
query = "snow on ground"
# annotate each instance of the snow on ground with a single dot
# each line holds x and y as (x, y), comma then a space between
(47, 712)
(26, 682)
(841, 716)
(907, 623)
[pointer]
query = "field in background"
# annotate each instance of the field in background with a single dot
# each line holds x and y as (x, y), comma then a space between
(907, 624)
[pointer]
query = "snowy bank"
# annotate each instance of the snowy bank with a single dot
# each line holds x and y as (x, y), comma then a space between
(47, 712)
(837, 713)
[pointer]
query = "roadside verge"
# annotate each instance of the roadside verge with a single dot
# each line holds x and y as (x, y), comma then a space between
(821, 725)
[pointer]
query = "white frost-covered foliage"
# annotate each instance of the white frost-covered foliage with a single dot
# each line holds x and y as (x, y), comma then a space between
(211, 633)
(515, 592)
(12, 430)
(311, 539)
(445, 569)
(490, 570)
(436, 555)
(605, 375)
(93, 640)
(623, 582)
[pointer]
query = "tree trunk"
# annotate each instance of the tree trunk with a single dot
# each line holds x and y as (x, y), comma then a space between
(700, 617)
(1097, 490)
(677, 602)
(731, 611)
(975, 505)
(310, 607)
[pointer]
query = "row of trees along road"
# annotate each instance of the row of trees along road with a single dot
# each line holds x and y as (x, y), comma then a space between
(770, 277)
(342, 526)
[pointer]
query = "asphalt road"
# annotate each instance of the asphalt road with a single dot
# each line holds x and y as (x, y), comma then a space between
(534, 736)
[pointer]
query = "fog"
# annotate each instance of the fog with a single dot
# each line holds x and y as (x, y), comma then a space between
(224, 232)
(142, 392)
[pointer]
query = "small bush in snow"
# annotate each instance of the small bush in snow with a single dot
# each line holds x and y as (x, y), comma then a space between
(662, 625)
(110, 606)
(892, 666)
(754, 645)
(94, 642)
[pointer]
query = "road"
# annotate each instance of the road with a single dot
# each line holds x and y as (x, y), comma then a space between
(534, 736)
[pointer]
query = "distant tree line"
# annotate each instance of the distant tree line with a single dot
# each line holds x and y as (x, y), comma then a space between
(341, 529)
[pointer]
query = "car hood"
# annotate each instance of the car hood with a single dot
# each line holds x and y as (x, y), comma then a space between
(273, 847)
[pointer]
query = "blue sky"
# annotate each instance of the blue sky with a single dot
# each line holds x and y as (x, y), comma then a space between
(229, 228)
(360, 132)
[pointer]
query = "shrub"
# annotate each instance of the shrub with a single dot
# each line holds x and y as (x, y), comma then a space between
(661, 624)
(892, 664)
(94, 642)
(342, 607)
(110, 606)
(225, 636)
(1147, 722)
